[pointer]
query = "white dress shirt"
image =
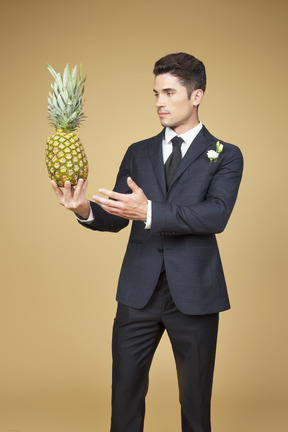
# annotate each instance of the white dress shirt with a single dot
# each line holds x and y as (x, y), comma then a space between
(167, 148)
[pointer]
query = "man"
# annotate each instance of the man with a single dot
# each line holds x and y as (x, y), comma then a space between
(178, 198)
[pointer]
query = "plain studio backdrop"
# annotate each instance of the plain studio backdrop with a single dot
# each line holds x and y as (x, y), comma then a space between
(58, 280)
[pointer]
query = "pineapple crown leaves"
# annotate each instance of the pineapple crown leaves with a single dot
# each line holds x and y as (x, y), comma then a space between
(65, 102)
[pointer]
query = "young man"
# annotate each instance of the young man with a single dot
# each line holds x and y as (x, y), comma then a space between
(179, 188)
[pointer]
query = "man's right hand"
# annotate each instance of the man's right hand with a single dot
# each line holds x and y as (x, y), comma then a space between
(74, 199)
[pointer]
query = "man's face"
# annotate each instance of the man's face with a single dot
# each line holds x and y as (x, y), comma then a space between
(174, 107)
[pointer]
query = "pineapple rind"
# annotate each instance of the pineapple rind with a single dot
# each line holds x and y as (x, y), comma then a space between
(65, 158)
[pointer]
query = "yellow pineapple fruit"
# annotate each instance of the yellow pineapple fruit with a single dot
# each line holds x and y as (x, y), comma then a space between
(65, 156)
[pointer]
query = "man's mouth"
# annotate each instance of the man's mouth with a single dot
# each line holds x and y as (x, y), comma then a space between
(162, 113)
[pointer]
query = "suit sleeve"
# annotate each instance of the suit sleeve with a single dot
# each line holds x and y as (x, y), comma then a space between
(211, 215)
(104, 221)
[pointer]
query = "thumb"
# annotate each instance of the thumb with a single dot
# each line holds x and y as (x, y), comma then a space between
(132, 185)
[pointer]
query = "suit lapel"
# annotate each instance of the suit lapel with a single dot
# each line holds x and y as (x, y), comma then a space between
(202, 141)
(156, 156)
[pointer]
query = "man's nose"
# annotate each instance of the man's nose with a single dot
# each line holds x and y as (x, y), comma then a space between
(160, 102)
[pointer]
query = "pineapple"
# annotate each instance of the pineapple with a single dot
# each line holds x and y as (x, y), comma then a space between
(65, 156)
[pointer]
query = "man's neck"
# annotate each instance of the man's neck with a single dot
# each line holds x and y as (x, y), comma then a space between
(181, 129)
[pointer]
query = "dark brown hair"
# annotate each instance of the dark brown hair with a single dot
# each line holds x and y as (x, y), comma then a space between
(188, 69)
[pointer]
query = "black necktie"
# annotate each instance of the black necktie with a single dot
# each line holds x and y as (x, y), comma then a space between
(173, 160)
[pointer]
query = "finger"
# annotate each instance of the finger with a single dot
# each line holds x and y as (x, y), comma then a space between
(54, 186)
(68, 191)
(110, 210)
(132, 185)
(84, 188)
(111, 204)
(85, 185)
(57, 190)
(81, 187)
(112, 194)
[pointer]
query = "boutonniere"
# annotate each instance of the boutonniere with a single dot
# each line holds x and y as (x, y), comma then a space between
(213, 155)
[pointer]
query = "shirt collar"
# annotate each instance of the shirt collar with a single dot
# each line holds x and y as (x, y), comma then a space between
(188, 136)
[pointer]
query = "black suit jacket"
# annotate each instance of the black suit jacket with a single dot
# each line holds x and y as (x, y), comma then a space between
(185, 220)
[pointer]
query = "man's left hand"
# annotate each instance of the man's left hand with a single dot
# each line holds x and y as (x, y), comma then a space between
(128, 206)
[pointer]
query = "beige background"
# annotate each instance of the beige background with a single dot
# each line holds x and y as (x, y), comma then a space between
(58, 280)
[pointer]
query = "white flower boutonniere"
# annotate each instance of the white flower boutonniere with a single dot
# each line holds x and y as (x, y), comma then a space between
(213, 155)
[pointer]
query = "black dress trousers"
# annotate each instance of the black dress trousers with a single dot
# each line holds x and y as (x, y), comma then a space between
(136, 334)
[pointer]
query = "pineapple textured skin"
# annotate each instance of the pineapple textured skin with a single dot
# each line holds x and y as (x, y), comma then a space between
(65, 158)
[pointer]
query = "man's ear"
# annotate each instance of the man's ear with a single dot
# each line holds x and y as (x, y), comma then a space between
(197, 96)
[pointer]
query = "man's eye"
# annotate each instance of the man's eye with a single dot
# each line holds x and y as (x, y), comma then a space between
(170, 93)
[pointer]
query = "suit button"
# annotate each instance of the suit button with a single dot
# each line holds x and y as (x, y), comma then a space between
(160, 250)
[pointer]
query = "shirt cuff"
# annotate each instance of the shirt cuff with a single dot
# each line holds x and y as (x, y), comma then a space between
(89, 220)
(149, 215)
